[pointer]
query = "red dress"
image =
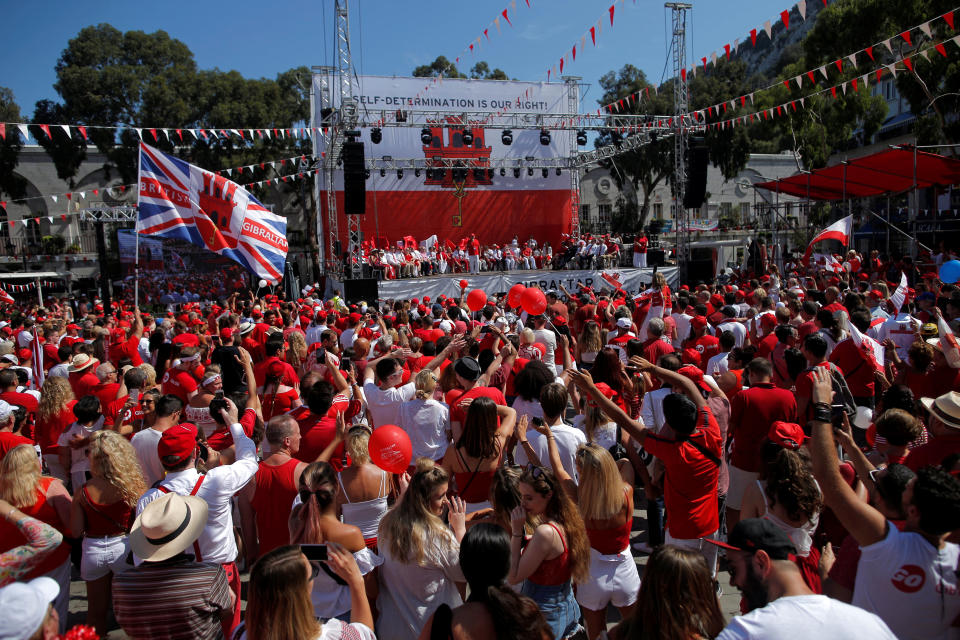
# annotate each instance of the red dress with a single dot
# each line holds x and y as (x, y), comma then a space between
(11, 537)
(276, 489)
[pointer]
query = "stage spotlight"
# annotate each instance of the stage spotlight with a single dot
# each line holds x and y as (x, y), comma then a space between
(399, 174)
(426, 137)
(366, 174)
(516, 172)
(383, 173)
(467, 137)
(581, 137)
(506, 137)
(558, 170)
(503, 172)
(544, 172)
(376, 135)
(490, 175)
(530, 171)
(416, 173)
(544, 137)
(478, 174)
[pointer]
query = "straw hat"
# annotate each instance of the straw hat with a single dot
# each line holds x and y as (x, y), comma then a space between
(167, 526)
(80, 362)
(945, 408)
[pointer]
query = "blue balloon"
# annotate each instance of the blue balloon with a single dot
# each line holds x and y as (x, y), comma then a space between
(950, 271)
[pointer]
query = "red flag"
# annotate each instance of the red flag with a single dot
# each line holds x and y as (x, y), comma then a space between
(574, 53)
(3, 131)
(854, 82)
(879, 73)
(153, 132)
(504, 14)
(726, 50)
(785, 16)
(869, 51)
(839, 64)
(833, 90)
(83, 132)
(485, 32)
(948, 18)
(683, 74)
(46, 129)
(909, 63)
(941, 49)
(753, 36)
(786, 83)
(612, 7)
(906, 36)
(561, 65)
(593, 35)
(812, 77)
(841, 230)
(3, 205)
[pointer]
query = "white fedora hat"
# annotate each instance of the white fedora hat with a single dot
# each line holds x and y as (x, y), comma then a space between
(167, 526)
(945, 408)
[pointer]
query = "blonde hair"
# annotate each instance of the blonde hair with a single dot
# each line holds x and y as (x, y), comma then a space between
(358, 444)
(590, 339)
(298, 345)
(426, 382)
(151, 374)
(527, 336)
(114, 459)
(593, 418)
(409, 527)
(55, 394)
(601, 488)
(659, 282)
(19, 476)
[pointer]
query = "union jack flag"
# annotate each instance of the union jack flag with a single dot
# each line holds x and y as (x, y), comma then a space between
(179, 200)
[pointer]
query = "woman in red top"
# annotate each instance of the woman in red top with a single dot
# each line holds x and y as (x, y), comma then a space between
(47, 500)
(54, 416)
(278, 395)
(557, 553)
(103, 510)
(478, 452)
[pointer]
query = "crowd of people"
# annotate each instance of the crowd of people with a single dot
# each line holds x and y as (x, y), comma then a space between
(800, 430)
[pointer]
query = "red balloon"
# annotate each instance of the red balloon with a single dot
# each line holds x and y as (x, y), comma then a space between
(533, 301)
(476, 299)
(390, 448)
(515, 295)
(463, 284)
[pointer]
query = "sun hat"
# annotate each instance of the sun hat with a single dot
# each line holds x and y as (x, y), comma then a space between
(945, 408)
(167, 526)
(80, 362)
(24, 606)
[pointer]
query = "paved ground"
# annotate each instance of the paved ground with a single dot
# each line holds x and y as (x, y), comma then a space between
(729, 601)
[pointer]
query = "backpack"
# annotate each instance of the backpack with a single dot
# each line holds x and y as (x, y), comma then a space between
(841, 392)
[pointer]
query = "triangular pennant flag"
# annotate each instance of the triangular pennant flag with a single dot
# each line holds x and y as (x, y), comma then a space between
(869, 52)
(785, 18)
(769, 29)
(923, 54)
(46, 129)
(948, 18)
(941, 49)
(833, 90)
(802, 101)
(823, 72)
(839, 64)
(909, 63)
(713, 58)
(54, 198)
(726, 50)
(906, 36)
(66, 129)
(486, 33)
(153, 132)
(593, 35)
(813, 79)
(802, 9)
(574, 53)
(854, 82)
(786, 83)
(853, 59)
(24, 131)
(879, 73)
(506, 17)
(612, 7)
(139, 133)
(561, 65)
(753, 36)
(844, 87)
(799, 81)
(887, 44)
(925, 28)
(50, 219)
(3, 131)
(893, 69)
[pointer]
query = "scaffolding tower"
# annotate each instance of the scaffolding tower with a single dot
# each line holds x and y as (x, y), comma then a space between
(680, 98)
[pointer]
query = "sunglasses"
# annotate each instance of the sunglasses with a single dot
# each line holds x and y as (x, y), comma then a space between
(539, 472)
(314, 570)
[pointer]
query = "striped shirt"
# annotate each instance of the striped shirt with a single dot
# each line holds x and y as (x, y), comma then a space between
(173, 599)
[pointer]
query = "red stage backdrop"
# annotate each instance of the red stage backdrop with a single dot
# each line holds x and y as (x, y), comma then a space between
(449, 205)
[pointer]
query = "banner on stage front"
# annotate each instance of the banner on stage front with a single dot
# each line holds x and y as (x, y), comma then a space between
(449, 123)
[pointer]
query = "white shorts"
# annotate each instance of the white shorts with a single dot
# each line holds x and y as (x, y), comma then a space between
(708, 550)
(613, 579)
(102, 556)
(739, 481)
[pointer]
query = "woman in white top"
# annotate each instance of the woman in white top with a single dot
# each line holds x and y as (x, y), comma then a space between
(364, 487)
(279, 605)
(588, 345)
(198, 409)
(421, 568)
(528, 384)
(426, 420)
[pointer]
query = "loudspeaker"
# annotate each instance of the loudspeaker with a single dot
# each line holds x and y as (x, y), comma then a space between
(656, 257)
(354, 179)
(361, 289)
(697, 157)
(699, 271)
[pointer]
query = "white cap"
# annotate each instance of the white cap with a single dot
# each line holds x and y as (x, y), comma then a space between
(624, 323)
(24, 606)
(5, 409)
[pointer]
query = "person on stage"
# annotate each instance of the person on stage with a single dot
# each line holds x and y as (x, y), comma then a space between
(640, 251)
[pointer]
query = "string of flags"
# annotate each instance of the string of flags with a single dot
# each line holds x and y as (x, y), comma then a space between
(76, 196)
(591, 32)
(835, 90)
(30, 286)
(172, 134)
(843, 63)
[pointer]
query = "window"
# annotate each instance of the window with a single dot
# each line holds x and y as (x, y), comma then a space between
(658, 210)
(726, 209)
(603, 212)
(745, 210)
(584, 212)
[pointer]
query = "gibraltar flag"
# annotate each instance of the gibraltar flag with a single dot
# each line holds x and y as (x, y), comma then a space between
(900, 295)
(841, 230)
(871, 349)
(948, 343)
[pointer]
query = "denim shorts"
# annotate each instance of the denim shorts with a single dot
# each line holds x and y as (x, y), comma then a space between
(557, 605)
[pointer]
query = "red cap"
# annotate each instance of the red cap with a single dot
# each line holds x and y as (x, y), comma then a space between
(691, 356)
(226, 334)
(716, 300)
(684, 287)
(179, 441)
(355, 317)
(605, 389)
(414, 302)
(875, 294)
(788, 435)
(426, 299)
(24, 354)
(695, 374)
(698, 322)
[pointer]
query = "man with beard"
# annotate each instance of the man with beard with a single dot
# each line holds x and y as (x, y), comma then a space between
(780, 602)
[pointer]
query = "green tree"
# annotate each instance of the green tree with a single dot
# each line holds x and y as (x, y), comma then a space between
(441, 67)
(481, 71)
(10, 183)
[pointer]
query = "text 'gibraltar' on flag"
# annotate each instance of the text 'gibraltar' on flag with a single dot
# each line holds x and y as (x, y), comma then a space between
(179, 200)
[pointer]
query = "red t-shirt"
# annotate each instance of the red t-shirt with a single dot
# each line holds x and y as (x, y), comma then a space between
(50, 356)
(804, 389)
(48, 431)
(752, 411)
(84, 382)
(933, 452)
(260, 371)
(130, 348)
(857, 368)
(107, 393)
(458, 410)
(24, 400)
(806, 329)
(316, 432)
(767, 344)
(707, 346)
(654, 348)
(691, 478)
(180, 383)
(9, 440)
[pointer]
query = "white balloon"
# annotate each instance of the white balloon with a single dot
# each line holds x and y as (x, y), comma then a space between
(262, 284)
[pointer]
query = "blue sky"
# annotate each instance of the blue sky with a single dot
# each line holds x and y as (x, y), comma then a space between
(389, 37)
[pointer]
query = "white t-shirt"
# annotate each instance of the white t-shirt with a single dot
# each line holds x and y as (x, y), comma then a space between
(426, 422)
(718, 364)
(409, 594)
(549, 340)
(529, 408)
(804, 617)
(604, 435)
(145, 444)
(384, 404)
(347, 338)
(910, 584)
(568, 439)
(79, 462)
(738, 330)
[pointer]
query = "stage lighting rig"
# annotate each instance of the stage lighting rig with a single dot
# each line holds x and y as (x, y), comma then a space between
(416, 173)
(383, 173)
(544, 137)
(467, 137)
(503, 172)
(558, 171)
(426, 137)
(516, 172)
(545, 172)
(399, 174)
(581, 137)
(506, 137)
(376, 135)
(530, 171)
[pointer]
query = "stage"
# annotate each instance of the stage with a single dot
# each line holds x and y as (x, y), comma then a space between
(494, 282)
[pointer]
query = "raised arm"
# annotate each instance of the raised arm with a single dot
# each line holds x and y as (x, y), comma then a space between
(568, 483)
(585, 383)
(676, 380)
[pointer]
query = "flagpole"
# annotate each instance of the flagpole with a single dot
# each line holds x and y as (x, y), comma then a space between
(136, 242)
